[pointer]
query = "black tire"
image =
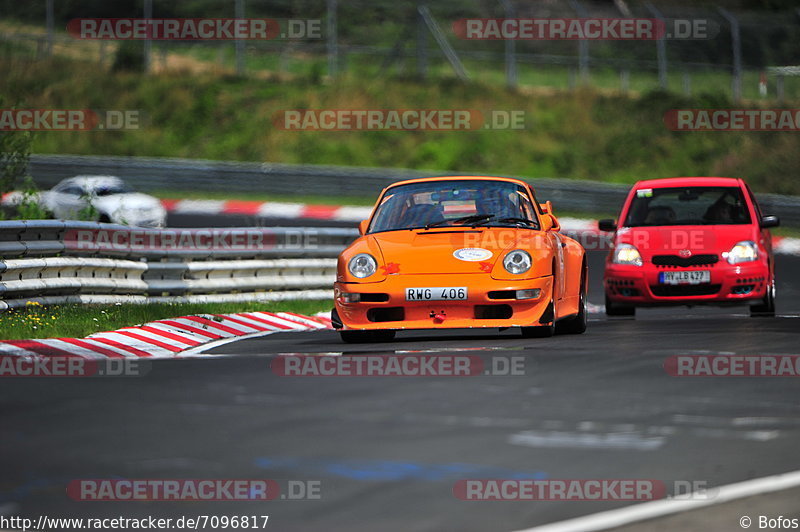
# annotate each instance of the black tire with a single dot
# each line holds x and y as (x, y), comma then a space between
(545, 331)
(365, 337)
(765, 309)
(617, 309)
(576, 324)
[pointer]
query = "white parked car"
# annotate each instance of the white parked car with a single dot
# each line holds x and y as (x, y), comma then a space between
(113, 199)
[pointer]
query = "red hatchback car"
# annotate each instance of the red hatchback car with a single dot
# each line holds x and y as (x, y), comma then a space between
(690, 241)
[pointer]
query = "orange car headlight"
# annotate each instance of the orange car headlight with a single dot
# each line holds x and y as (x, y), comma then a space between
(517, 262)
(362, 265)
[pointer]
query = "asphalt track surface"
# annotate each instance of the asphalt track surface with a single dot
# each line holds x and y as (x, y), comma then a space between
(387, 451)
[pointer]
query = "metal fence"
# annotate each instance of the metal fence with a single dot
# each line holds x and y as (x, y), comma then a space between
(46, 261)
(149, 174)
(371, 38)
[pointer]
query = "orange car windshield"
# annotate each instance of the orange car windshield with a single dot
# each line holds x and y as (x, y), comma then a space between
(453, 203)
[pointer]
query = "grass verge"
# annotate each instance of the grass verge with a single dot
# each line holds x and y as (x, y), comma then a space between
(580, 134)
(76, 321)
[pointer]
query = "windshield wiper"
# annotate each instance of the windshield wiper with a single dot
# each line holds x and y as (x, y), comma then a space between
(472, 218)
(517, 220)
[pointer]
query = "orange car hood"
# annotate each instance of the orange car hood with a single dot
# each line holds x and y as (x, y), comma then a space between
(432, 251)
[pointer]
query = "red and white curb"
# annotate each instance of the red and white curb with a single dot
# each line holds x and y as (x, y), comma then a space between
(269, 209)
(167, 338)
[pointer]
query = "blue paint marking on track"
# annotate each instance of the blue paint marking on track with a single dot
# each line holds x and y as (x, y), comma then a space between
(391, 470)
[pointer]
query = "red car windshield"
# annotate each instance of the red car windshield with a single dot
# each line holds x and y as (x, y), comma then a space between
(688, 206)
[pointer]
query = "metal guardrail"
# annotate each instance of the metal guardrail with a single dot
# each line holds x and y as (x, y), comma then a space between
(149, 174)
(47, 262)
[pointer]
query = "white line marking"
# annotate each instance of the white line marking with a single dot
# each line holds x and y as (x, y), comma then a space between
(201, 349)
(573, 440)
(650, 510)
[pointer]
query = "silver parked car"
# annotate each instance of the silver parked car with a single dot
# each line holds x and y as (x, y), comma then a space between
(113, 200)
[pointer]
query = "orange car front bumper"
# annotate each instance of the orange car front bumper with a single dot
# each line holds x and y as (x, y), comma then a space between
(489, 303)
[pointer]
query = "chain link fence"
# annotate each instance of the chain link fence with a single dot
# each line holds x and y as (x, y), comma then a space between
(739, 54)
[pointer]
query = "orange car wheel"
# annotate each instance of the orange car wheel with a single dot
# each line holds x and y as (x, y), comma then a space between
(576, 324)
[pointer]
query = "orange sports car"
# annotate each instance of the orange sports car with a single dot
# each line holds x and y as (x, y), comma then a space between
(460, 252)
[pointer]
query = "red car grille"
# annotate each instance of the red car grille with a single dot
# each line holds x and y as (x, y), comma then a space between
(683, 290)
(674, 261)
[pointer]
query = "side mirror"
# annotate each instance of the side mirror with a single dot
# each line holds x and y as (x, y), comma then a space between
(362, 227)
(770, 220)
(550, 223)
(608, 225)
(546, 207)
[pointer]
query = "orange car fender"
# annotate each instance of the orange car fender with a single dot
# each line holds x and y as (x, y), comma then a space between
(573, 267)
(365, 244)
(540, 247)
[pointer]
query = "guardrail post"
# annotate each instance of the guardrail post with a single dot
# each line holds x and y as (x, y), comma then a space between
(332, 45)
(736, 44)
(422, 46)
(661, 48)
(239, 44)
(510, 51)
(583, 44)
(50, 17)
(148, 42)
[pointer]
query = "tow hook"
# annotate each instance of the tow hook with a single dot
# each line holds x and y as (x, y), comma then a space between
(438, 317)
